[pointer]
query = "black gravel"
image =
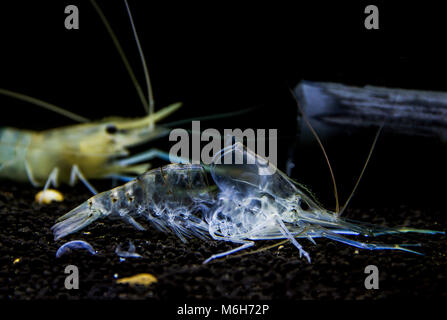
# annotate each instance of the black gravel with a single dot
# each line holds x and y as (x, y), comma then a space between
(336, 271)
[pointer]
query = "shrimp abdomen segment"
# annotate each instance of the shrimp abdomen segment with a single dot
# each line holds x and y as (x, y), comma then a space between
(171, 198)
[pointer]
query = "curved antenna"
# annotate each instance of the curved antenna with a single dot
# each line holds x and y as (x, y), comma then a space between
(121, 53)
(43, 104)
(145, 69)
(210, 117)
(314, 133)
(363, 170)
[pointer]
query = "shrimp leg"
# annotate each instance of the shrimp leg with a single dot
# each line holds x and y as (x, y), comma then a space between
(29, 173)
(245, 245)
(151, 154)
(52, 180)
(283, 229)
(76, 173)
(145, 156)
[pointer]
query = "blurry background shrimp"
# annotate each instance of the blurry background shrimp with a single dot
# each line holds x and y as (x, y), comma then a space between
(91, 149)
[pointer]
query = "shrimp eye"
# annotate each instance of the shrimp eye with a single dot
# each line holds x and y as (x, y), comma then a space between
(111, 129)
(303, 205)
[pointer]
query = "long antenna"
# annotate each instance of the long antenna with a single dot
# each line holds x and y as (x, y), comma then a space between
(363, 170)
(145, 69)
(364, 166)
(337, 204)
(43, 104)
(210, 117)
(121, 53)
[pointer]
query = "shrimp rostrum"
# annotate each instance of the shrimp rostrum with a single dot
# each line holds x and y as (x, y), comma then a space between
(253, 201)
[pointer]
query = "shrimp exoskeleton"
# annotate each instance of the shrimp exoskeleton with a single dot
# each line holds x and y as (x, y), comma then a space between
(254, 201)
(259, 202)
(171, 198)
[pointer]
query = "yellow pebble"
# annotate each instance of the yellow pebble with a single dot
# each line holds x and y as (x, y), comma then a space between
(49, 196)
(144, 279)
(16, 261)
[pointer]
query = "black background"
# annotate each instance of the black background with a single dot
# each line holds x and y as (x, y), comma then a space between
(224, 56)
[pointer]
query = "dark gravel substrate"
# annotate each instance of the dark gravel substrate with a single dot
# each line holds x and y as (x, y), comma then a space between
(336, 271)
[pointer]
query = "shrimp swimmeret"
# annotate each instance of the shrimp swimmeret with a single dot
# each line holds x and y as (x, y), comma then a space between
(252, 201)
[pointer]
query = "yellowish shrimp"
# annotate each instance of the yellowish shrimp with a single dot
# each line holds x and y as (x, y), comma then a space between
(89, 150)
(93, 150)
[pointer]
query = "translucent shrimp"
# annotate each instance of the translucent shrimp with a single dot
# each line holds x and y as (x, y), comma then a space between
(253, 201)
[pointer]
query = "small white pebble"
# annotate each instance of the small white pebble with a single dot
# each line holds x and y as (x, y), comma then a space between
(49, 196)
